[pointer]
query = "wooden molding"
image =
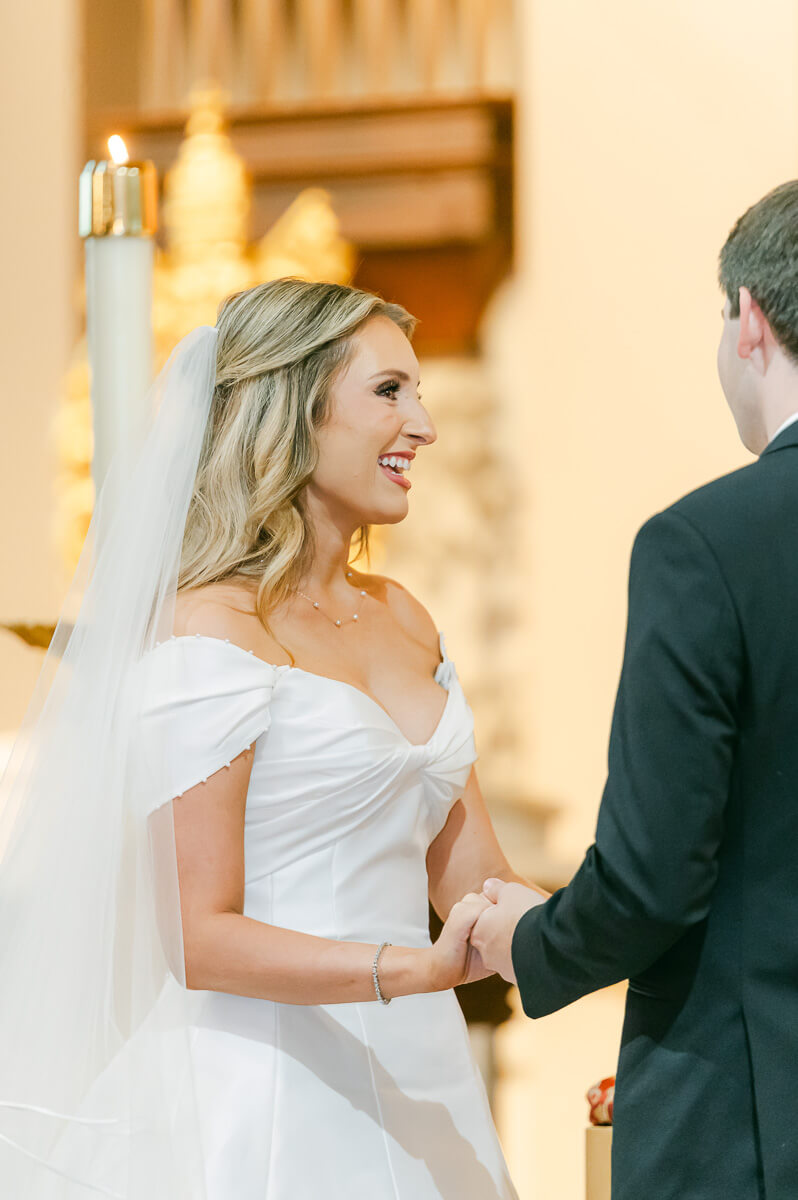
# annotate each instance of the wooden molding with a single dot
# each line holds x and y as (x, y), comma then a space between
(422, 188)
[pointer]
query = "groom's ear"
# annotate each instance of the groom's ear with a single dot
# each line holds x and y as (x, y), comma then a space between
(755, 337)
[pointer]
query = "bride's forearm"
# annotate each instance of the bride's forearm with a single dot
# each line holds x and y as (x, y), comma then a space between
(229, 952)
(510, 876)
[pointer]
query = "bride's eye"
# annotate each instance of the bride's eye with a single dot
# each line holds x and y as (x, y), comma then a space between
(389, 389)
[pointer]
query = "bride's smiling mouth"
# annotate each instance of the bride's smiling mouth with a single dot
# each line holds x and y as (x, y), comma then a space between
(394, 466)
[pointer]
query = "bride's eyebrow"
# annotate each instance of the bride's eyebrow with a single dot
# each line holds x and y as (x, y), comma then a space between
(400, 375)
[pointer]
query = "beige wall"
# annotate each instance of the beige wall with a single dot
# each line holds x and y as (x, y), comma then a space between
(646, 128)
(39, 150)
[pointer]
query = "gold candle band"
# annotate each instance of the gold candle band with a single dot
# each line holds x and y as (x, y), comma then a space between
(118, 199)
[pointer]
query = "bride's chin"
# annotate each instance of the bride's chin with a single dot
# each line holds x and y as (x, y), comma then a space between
(385, 511)
(384, 516)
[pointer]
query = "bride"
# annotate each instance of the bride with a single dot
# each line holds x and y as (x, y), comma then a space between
(301, 759)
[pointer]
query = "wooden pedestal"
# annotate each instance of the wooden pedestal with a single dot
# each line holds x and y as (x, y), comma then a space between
(598, 1144)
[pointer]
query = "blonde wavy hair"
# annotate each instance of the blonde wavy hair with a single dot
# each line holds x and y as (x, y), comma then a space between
(280, 347)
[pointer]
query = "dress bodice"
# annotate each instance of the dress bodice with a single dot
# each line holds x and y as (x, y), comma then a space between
(334, 782)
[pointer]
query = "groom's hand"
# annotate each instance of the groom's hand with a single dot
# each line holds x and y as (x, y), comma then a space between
(492, 935)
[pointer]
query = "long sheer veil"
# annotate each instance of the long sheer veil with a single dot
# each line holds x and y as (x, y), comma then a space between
(96, 1086)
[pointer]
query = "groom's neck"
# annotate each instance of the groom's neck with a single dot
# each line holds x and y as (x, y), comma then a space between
(779, 394)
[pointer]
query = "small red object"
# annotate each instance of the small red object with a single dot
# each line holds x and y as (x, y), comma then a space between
(601, 1098)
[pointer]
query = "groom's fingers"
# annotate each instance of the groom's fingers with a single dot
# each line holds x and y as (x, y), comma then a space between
(465, 912)
(479, 905)
(474, 902)
(481, 931)
(492, 888)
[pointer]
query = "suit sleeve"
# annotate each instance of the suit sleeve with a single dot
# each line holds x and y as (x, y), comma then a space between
(649, 874)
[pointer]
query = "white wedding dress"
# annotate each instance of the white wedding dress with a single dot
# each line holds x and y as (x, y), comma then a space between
(344, 1101)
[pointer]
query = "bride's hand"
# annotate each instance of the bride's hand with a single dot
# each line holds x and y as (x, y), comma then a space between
(454, 959)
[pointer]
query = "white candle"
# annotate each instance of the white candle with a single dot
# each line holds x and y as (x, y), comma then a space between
(118, 214)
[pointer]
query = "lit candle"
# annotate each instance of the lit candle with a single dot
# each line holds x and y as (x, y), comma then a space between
(118, 203)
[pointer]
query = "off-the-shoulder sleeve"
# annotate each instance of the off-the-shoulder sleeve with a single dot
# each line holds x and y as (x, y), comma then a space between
(199, 702)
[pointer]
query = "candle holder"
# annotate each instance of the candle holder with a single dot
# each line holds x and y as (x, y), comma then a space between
(118, 199)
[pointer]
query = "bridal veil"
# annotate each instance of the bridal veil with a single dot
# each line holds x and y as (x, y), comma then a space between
(96, 1087)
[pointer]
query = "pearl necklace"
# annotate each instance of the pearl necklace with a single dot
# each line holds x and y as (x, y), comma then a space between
(337, 622)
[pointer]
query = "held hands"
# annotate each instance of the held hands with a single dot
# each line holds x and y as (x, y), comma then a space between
(454, 958)
(492, 933)
(476, 939)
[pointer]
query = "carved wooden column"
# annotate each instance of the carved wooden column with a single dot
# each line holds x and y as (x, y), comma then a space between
(211, 41)
(321, 41)
(428, 42)
(457, 551)
(455, 546)
(164, 77)
(277, 52)
(263, 49)
(476, 18)
(376, 33)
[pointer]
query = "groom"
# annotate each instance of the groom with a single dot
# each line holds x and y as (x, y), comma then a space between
(690, 889)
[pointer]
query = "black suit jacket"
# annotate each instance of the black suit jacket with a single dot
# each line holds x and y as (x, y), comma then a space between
(690, 889)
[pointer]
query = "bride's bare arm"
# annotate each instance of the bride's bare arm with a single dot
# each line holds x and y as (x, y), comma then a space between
(226, 951)
(467, 852)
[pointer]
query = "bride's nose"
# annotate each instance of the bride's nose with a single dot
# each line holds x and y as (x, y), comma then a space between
(420, 427)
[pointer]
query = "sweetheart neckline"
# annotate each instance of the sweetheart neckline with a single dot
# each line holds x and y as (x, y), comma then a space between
(331, 679)
(376, 703)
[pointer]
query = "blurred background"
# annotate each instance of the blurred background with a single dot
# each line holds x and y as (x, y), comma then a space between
(546, 185)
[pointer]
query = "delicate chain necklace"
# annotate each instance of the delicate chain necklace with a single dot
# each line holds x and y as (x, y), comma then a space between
(337, 622)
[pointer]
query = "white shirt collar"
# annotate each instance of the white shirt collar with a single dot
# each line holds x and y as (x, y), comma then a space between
(784, 425)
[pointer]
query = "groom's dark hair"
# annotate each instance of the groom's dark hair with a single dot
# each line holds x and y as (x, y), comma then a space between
(761, 254)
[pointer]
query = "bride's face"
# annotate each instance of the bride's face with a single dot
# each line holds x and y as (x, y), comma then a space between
(375, 412)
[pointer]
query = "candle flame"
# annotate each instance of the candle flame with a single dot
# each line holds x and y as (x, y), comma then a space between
(117, 149)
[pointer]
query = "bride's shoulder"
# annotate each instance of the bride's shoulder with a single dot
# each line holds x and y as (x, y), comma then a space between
(405, 608)
(225, 611)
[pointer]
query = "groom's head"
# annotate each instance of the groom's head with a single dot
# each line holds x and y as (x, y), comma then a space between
(758, 352)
